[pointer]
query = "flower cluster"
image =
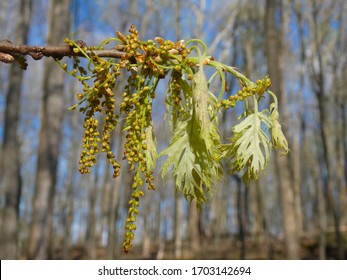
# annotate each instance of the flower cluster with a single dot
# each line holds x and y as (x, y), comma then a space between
(137, 107)
(258, 89)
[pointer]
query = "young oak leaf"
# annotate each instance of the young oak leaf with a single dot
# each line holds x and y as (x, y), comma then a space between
(180, 155)
(204, 103)
(250, 145)
(278, 139)
(193, 151)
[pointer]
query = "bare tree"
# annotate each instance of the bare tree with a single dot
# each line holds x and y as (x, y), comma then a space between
(49, 138)
(320, 29)
(11, 179)
(68, 211)
(91, 238)
(241, 216)
(275, 59)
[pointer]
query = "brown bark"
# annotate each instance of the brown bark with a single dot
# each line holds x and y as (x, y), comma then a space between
(241, 217)
(69, 200)
(178, 225)
(9, 49)
(275, 60)
(91, 240)
(39, 246)
(258, 211)
(327, 130)
(339, 92)
(297, 155)
(161, 223)
(193, 230)
(146, 237)
(321, 205)
(10, 163)
(216, 227)
(112, 217)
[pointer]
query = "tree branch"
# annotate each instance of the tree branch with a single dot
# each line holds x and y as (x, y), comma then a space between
(9, 51)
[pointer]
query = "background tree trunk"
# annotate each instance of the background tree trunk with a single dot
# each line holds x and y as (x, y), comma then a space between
(193, 230)
(49, 138)
(10, 165)
(69, 199)
(274, 53)
(327, 129)
(91, 238)
(113, 210)
(241, 217)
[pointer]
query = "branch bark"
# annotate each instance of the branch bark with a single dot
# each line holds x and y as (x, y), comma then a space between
(9, 50)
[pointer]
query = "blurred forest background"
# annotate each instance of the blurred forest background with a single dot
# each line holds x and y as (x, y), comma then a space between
(296, 210)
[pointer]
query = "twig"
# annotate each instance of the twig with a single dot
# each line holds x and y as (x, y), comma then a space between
(8, 51)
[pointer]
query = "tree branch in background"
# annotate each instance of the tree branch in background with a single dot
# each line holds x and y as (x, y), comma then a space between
(10, 52)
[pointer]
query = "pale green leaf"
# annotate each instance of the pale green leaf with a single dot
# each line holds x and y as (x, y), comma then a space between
(192, 152)
(176, 147)
(193, 169)
(250, 145)
(204, 104)
(278, 139)
(181, 156)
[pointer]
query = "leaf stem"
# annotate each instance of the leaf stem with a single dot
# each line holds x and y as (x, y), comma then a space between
(195, 47)
(274, 97)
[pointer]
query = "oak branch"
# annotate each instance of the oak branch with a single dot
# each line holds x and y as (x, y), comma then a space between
(10, 52)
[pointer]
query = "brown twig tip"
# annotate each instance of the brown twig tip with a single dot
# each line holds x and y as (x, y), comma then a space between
(6, 58)
(8, 51)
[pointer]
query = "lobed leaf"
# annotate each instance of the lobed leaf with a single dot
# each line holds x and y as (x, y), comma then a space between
(192, 150)
(183, 158)
(250, 147)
